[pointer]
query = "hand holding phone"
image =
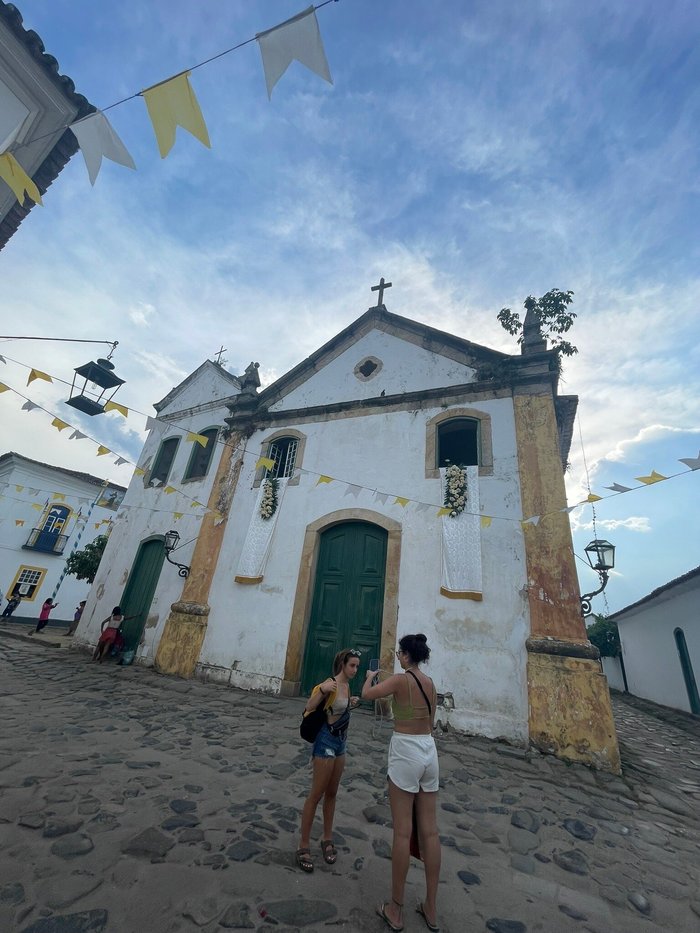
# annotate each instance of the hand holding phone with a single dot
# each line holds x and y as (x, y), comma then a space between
(374, 664)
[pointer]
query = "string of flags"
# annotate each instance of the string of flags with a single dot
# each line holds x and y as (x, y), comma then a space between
(172, 103)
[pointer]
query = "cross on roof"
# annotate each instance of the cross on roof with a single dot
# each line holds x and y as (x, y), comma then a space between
(219, 353)
(380, 288)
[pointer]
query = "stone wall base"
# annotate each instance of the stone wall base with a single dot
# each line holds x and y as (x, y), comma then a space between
(181, 642)
(570, 714)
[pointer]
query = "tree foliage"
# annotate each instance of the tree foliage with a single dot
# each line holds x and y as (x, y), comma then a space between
(83, 564)
(554, 317)
(605, 636)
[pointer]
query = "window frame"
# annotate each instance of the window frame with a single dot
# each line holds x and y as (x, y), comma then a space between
(265, 444)
(484, 440)
(37, 586)
(156, 459)
(197, 450)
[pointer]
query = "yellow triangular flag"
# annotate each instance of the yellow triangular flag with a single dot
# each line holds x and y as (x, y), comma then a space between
(169, 489)
(15, 176)
(324, 479)
(197, 438)
(4, 388)
(19, 488)
(138, 471)
(101, 451)
(265, 462)
(60, 425)
(19, 521)
(444, 511)
(115, 406)
(593, 498)
(37, 374)
(399, 500)
(196, 504)
(37, 506)
(97, 524)
(178, 515)
(485, 521)
(654, 477)
(58, 495)
(171, 104)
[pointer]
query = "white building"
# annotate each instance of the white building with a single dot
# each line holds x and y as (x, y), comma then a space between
(357, 438)
(660, 638)
(46, 512)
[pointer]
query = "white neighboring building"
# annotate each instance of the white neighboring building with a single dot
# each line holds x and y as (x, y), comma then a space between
(45, 512)
(660, 637)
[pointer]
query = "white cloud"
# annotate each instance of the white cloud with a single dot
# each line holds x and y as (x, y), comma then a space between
(639, 523)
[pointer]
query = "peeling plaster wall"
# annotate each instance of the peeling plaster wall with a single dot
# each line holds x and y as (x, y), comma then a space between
(478, 647)
(404, 368)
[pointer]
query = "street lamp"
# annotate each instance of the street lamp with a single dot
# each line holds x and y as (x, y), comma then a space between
(170, 543)
(99, 373)
(601, 556)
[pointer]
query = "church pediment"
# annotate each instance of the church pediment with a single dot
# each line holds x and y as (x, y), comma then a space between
(209, 383)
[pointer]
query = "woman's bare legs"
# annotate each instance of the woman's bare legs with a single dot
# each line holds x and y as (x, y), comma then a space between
(329, 797)
(322, 779)
(429, 842)
(401, 816)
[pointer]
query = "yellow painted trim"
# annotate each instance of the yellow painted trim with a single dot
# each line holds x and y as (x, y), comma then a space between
(37, 585)
(248, 581)
(461, 594)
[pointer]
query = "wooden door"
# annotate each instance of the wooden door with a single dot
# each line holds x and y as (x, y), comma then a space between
(138, 594)
(348, 600)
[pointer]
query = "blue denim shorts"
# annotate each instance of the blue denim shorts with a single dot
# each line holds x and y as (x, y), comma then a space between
(327, 745)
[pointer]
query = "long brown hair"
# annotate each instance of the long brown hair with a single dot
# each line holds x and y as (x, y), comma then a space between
(342, 658)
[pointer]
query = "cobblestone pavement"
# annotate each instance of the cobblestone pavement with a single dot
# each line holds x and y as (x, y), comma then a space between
(134, 802)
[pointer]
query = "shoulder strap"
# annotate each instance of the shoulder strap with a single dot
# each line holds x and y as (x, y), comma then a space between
(420, 687)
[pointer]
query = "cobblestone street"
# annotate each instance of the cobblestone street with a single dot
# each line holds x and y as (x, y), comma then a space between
(135, 803)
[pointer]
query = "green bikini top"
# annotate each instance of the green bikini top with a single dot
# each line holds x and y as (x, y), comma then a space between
(409, 712)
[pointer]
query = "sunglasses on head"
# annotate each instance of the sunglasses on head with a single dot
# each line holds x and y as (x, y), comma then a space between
(354, 653)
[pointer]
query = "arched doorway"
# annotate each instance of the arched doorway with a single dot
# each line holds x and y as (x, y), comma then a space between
(348, 598)
(687, 668)
(141, 585)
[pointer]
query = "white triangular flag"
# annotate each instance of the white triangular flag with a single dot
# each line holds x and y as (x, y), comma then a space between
(77, 436)
(297, 38)
(352, 490)
(381, 497)
(97, 138)
(29, 406)
(151, 423)
(119, 461)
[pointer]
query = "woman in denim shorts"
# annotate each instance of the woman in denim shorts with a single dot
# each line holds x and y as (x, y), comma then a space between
(328, 754)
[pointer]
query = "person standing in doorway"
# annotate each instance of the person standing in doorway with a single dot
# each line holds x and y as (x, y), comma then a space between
(413, 775)
(77, 615)
(46, 610)
(12, 604)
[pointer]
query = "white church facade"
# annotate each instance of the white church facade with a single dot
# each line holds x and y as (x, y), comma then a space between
(359, 548)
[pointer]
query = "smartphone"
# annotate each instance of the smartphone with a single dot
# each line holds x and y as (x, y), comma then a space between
(374, 664)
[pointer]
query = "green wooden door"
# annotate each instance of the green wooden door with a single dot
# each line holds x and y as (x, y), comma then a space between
(348, 599)
(138, 594)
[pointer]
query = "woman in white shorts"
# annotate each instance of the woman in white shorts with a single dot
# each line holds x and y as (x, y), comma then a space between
(413, 774)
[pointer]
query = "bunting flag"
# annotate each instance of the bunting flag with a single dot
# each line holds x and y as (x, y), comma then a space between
(29, 406)
(77, 436)
(381, 497)
(38, 506)
(485, 521)
(15, 176)
(19, 488)
(173, 103)
(96, 138)
(399, 500)
(324, 479)
(297, 38)
(169, 489)
(101, 451)
(534, 520)
(151, 423)
(200, 439)
(616, 487)
(654, 477)
(138, 471)
(196, 504)
(178, 515)
(443, 511)
(591, 497)
(568, 509)
(422, 507)
(33, 492)
(352, 490)
(115, 406)
(120, 461)
(97, 524)
(265, 462)
(3, 387)
(37, 374)
(60, 425)
(58, 495)
(3, 360)
(19, 521)
(692, 462)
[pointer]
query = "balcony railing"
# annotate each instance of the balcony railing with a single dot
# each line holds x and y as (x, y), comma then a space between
(40, 540)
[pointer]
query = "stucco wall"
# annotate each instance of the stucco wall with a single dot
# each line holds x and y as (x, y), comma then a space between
(613, 671)
(651, 658)
(478, 647)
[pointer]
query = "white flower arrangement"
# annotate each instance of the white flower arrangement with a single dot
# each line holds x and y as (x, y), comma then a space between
(455, 489)
(268, 503)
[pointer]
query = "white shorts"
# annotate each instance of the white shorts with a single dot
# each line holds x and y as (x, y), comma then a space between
(413, 763)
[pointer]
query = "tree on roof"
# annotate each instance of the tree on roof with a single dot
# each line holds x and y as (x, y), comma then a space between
(549, 313)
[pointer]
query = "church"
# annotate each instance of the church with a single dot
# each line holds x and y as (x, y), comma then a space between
(398, 480)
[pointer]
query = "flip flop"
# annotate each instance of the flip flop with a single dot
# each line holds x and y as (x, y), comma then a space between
(381, 912)
(304, 860)
(431, 926)
(329, 851)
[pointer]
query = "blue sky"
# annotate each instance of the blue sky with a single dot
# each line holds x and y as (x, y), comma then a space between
(472, 153)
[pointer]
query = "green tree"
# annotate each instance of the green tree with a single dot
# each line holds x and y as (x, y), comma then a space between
(83, 564)
(605, 636)
(551, 310)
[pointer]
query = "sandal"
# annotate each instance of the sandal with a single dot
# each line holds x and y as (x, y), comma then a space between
(330, 853)
(381, 912)
(304, 860)
(433, 927)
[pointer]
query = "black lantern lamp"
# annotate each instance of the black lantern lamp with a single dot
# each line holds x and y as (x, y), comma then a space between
(100, 374)
(601, 556)
(172, 540)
